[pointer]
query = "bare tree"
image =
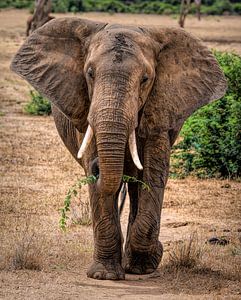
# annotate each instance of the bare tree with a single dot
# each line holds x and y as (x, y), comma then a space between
(198, 8)
(185, 8)
(40, 16)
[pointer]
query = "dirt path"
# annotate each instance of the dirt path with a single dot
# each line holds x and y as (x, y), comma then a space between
(36, 171)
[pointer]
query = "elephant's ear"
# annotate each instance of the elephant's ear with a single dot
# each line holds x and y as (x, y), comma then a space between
(187, 77)
(52, 61)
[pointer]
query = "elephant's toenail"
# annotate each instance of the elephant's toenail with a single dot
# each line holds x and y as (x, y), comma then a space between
(149, 270)
(97, 275)
(111, 276)
(136, 271)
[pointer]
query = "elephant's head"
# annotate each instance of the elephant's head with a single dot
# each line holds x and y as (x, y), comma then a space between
(116, 80)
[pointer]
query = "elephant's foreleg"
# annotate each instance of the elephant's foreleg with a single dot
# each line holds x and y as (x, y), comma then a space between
(107, 238)
(143, 251)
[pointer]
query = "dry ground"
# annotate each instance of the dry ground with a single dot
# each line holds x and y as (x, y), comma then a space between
(36, 171)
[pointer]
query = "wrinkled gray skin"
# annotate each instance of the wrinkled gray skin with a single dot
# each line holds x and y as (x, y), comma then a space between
(117, 79)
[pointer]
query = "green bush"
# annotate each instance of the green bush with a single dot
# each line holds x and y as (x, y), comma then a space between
(38, 105)
(210, 143)
(4, 4)
(157, 7)
(60, 6)
(213, 7)
(237, 8)
(15, 3)
(104, 6)
(217, 8)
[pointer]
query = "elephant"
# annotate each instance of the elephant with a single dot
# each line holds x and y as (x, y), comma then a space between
(120, 95)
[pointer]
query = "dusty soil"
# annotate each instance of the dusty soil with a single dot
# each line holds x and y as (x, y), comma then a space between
(36, 171)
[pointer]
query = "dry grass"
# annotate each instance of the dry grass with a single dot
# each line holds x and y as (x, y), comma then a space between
(225, 259)
(80, 211)
(194, 255)
(186, 253)
(27, 248)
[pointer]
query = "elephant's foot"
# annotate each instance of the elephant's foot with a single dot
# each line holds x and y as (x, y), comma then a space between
(143, 263)
(108, 271)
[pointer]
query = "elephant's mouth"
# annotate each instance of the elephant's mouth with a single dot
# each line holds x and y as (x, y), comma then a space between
(95, 170)
(132, 146)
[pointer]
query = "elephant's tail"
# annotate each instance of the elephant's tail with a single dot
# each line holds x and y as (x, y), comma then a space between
(122, 197)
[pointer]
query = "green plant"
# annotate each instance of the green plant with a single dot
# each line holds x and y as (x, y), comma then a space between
(15, 3)
(60, 6)
(210, 144)
(38, 105)
(130, 6)
(144, 185)
(218, 7)
(104, 6)
(73, 191)
(237, 8)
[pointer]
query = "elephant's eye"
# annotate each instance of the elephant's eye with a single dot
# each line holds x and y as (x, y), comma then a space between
(90, 72)
(144, 79)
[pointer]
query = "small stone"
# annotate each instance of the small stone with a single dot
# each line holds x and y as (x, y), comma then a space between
(218, 241)
(226, 186)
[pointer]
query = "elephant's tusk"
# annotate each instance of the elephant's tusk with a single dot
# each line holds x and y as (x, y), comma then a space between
(133, 150)
(86, 141)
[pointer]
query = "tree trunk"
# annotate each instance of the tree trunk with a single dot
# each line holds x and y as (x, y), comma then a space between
(184, 10)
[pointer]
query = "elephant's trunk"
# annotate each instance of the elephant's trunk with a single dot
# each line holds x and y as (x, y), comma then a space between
(111, 139)
(113, 118)
(132, 146)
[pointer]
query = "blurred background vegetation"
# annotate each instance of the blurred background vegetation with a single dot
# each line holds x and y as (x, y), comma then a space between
(209, 7)
(210, 140)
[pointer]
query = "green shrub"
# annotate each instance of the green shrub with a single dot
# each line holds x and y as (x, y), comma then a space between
(211, 138)
(38, 105)
(15, 3)
(152, 7)
(237, 8)
(104, 6)
(214, 7)
(60, 6)
(217, 8)
(4, 4)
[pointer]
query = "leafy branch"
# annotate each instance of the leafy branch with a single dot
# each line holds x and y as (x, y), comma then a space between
(145, 186)
(72, 192)
(67, 200)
